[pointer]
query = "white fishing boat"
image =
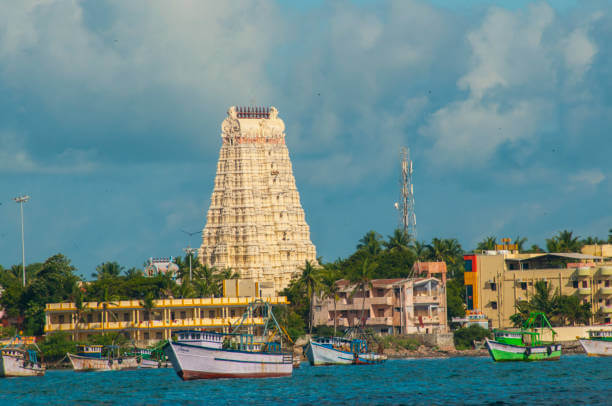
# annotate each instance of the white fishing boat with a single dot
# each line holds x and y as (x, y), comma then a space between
(204, 355)
(340, 351)
(16, 361)
(599, 343)
(100, 358)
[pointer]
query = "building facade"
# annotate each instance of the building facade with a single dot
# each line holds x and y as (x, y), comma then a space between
(146, 326)
(255, 223)
(496, 280)
(391, 306)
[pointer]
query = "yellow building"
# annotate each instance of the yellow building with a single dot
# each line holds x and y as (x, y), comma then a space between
(496, 280)
(146, 326)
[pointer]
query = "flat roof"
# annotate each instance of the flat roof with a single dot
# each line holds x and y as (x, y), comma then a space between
(570, 255)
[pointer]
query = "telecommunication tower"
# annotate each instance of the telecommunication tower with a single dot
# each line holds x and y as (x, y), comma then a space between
(406, 210)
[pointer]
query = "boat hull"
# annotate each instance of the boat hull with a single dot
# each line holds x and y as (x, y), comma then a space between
(15, 366)
(151, 363)
(196, 362)
(87, 364)
(319, 354)
(507, 353)
(596, 348)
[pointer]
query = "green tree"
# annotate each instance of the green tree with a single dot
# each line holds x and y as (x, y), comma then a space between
(371, 243)
(148, 304)
(398, 241)
(487, 244)
(330, 290)
(564, 241)
(309, 282)
(421, 250)
(362, 278)
(108, 270)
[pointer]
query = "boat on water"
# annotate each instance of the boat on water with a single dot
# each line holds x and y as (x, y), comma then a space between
(19, 359)
(101, 358)
(150, 357)
(599, 343)
(525, 344)
(206, 355)
(340, 351)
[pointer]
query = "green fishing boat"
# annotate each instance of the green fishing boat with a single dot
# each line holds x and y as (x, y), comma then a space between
(525, 344)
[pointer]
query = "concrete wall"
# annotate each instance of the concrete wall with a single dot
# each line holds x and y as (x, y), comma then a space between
(443, 341)
(570, 333)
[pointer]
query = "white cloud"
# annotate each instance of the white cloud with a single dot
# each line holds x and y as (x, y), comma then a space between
(588, 178)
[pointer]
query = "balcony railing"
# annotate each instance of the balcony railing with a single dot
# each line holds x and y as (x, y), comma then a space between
(583, 271)
(605, 270)
(425, 299)
(169, 303)
(606, 309)
(373, 321)
(154, 324)
(605, 291)
(584, 291)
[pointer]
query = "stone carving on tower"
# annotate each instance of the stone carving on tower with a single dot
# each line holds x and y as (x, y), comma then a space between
(255, 223)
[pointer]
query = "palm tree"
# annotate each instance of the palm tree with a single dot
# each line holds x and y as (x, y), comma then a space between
(330, 290)
(421, 250)
(564, 241)
(362, 278)
(107, 301)
(487, 244)
(519, 242)
(107, 270)
(610, 236)
(592, 241)
(80, 310)
(148, 303)
(399, 241)
(309, 282)
(370, 242)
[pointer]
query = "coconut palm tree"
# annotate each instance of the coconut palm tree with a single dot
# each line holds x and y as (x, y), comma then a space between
(148, 303)
(362, 278)
(107, 301)
(487, 244)
(330, 290)
(520, 242)
(370, 242)
(107, 270)
(80, 310)
(309, 282)
(421, 250)
(399, 241)
(564, 241)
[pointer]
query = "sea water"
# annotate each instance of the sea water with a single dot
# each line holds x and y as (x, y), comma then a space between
(573, 380)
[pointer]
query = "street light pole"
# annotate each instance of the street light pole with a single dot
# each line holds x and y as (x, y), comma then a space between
(190, 251)
(21, 200)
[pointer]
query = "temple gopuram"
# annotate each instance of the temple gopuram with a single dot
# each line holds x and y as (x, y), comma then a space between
(255, 224)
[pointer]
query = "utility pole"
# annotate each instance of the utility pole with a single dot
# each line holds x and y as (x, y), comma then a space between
(190, 252)
(21, 200)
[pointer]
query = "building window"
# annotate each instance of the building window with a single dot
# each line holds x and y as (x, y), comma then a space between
(158, 335)
(126, 317)
(380, 292)
(524, 285)
(211, 314)
(398, 309)
(61, 319)
(575, 284)
(468, 265)
(381, 312)
(607, 283)
(232, 313)
(584, 284)
(172, 316)
(494, 305)
(90, 318)
(146, 336)
(183, 315)
(493, 286)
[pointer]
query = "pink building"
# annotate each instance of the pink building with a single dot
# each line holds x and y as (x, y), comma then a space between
(392, 306)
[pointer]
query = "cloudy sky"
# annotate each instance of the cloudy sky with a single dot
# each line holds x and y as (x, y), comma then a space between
(110, 116)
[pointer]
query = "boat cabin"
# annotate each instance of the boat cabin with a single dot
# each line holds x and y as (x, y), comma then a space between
(201, 338)
(343, 344)
(605, 335)
(92, 351)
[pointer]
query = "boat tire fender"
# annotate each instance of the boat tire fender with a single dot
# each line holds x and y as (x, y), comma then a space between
(528, 351)
(110, 362)
(138, 360)
(549, 350)
(119, 361)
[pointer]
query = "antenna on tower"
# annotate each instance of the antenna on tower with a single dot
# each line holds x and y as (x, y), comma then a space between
(406, 206)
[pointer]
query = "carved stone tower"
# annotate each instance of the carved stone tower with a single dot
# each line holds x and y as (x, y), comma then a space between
(255, 223)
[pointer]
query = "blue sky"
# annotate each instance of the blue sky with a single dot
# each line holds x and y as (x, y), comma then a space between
(110, 118)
